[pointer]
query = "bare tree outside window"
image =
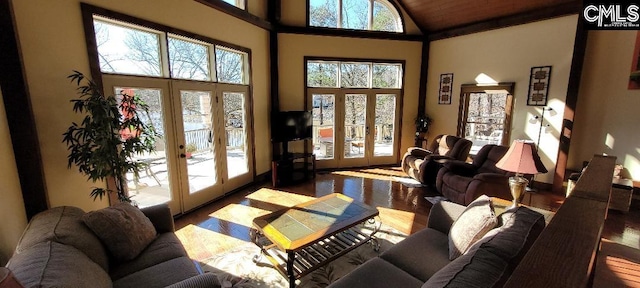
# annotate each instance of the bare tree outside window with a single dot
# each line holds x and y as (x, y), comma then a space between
(323, 13)
(383, 18)
(322, 74)
(354, 15)
(144, 51)
(386, 76)
(188, 60)
(127, 50)
(354, 75)
(229, 66)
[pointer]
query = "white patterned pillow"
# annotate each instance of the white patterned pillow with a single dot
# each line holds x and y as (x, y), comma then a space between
(476, 220)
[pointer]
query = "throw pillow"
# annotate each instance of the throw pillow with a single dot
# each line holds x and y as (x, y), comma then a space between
(123, 229)
(476, 220)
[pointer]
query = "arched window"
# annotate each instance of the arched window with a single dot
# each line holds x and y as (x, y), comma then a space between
(376, 15)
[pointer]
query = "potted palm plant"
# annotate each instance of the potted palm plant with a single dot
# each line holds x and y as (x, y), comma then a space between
(111, 133)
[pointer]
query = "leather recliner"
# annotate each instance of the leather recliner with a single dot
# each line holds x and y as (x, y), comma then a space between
(423, 165)
(463, 182)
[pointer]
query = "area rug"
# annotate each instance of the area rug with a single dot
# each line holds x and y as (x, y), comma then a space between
(408, 182)
(435, 199)
(236, 268)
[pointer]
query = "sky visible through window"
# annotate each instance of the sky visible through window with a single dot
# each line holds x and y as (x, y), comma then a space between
(354, 15)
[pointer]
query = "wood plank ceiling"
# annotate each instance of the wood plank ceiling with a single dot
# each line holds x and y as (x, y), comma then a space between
(440, 15)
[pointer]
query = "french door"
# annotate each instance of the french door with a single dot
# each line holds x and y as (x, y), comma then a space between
(355, 127)
(202, 150)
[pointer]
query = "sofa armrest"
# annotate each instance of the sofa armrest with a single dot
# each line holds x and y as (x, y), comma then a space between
(419, 152)
(443, 214)
(491, 178)
(161, 217)
(460, 168)
(205, 280)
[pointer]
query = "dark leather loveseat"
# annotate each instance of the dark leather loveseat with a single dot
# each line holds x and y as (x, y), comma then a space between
(423, 165)
(462, 182)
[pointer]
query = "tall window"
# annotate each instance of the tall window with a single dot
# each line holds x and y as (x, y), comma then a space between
(130, 49)
(377, 15)
(356, 104)
(485, 114)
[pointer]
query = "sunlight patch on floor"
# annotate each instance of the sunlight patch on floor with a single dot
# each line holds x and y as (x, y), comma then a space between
(279, 198)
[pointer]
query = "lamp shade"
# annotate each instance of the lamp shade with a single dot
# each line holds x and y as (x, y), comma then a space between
(523, 158)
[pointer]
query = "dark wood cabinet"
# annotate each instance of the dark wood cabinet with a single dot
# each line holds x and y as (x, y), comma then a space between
(291, 168)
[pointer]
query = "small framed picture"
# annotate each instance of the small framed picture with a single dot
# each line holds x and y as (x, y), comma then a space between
(539, 86)
(446, 88)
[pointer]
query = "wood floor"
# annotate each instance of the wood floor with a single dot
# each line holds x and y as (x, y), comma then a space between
(225, 224)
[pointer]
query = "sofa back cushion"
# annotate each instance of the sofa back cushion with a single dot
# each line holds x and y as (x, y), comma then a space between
(486, 159)
(476, 220)
(490, 262)
(51, 264)
(123, 228)
(64, 225)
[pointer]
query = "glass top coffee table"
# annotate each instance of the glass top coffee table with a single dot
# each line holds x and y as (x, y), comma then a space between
(302, 238)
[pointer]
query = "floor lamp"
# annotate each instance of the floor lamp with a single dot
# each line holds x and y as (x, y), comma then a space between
(540, 128)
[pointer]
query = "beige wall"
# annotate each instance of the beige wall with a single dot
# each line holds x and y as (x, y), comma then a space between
(607, 112)
(507, 55)
(294, 14)
(293, 48)
(12, 213)
(52, 42)
(257, 8)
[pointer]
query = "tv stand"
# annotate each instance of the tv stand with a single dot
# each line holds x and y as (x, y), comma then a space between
(290, 168)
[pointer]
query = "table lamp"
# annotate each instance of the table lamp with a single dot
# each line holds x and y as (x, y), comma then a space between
(522, 158)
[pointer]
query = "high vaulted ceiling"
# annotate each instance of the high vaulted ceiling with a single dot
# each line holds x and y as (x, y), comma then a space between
(440, 15)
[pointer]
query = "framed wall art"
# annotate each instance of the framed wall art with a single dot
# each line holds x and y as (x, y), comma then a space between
(539, 86)
(446, 87)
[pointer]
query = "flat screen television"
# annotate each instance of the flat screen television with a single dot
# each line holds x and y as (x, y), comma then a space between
(291, 126)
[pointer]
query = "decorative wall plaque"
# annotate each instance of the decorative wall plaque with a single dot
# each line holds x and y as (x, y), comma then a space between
(446, 87)
(539, 85)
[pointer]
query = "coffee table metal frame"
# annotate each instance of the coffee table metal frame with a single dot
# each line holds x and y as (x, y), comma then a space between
(316, 252)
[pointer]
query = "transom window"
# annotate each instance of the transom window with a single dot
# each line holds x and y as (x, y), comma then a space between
(338, 74)
(377, 15)
(238, 3)
(129, 49)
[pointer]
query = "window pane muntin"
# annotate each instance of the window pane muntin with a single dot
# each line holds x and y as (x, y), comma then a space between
(322, 74)
(229, 65)
(120, 49)
(189, 59)
(386, 75)
(355, 75)
(323, 13)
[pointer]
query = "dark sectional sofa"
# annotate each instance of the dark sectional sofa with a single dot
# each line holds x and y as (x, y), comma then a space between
(422, 260)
